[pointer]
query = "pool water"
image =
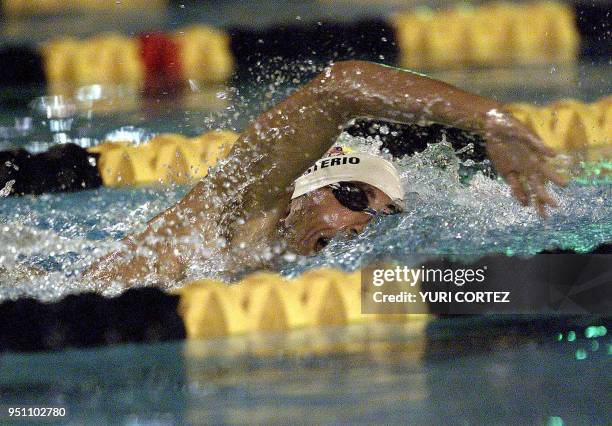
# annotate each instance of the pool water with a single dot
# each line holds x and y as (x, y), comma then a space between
(451, 371)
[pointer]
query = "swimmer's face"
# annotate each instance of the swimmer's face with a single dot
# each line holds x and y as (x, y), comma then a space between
(315, 218)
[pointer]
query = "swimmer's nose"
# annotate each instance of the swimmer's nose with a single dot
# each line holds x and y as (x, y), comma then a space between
(354, 230)
(358, 226)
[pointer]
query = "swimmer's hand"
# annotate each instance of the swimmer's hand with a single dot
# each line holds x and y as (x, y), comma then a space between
(520, 156)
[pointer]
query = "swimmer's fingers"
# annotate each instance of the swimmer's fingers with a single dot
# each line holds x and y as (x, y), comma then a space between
(538, 203)
(538, 145)
(554, 177)
(540, 208)
(517, 188)
(538, 183)
(541, 196)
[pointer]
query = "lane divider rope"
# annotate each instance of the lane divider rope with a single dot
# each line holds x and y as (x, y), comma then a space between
(498, 34)
(567, 126)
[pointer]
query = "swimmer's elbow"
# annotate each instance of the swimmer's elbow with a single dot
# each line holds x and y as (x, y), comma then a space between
(338, 73)
(340, 82)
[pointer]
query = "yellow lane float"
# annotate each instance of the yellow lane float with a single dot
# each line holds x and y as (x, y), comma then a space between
(491, 35)
(569, 125)
(204, 54)
(268, 302)
(104, 59)
(167, 158)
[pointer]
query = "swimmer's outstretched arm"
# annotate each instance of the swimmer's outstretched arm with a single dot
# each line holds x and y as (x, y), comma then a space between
(298, 131)
(245, 195)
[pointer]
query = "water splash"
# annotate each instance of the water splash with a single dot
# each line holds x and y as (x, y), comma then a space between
(8, 187)
(47, 241)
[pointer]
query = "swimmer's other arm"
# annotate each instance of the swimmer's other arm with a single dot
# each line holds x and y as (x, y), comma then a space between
(284, 141)
(154, 256)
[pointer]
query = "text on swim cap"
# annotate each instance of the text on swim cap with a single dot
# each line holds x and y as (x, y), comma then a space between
(332, 161)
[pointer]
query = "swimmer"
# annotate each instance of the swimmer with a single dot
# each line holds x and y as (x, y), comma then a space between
(261, 197)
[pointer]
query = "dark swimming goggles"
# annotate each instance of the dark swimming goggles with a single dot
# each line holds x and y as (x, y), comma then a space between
(354, 198)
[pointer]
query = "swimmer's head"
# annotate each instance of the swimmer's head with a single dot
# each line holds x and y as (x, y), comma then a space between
(339, 194)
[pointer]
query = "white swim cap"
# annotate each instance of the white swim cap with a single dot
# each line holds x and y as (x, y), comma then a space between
(353, 167)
